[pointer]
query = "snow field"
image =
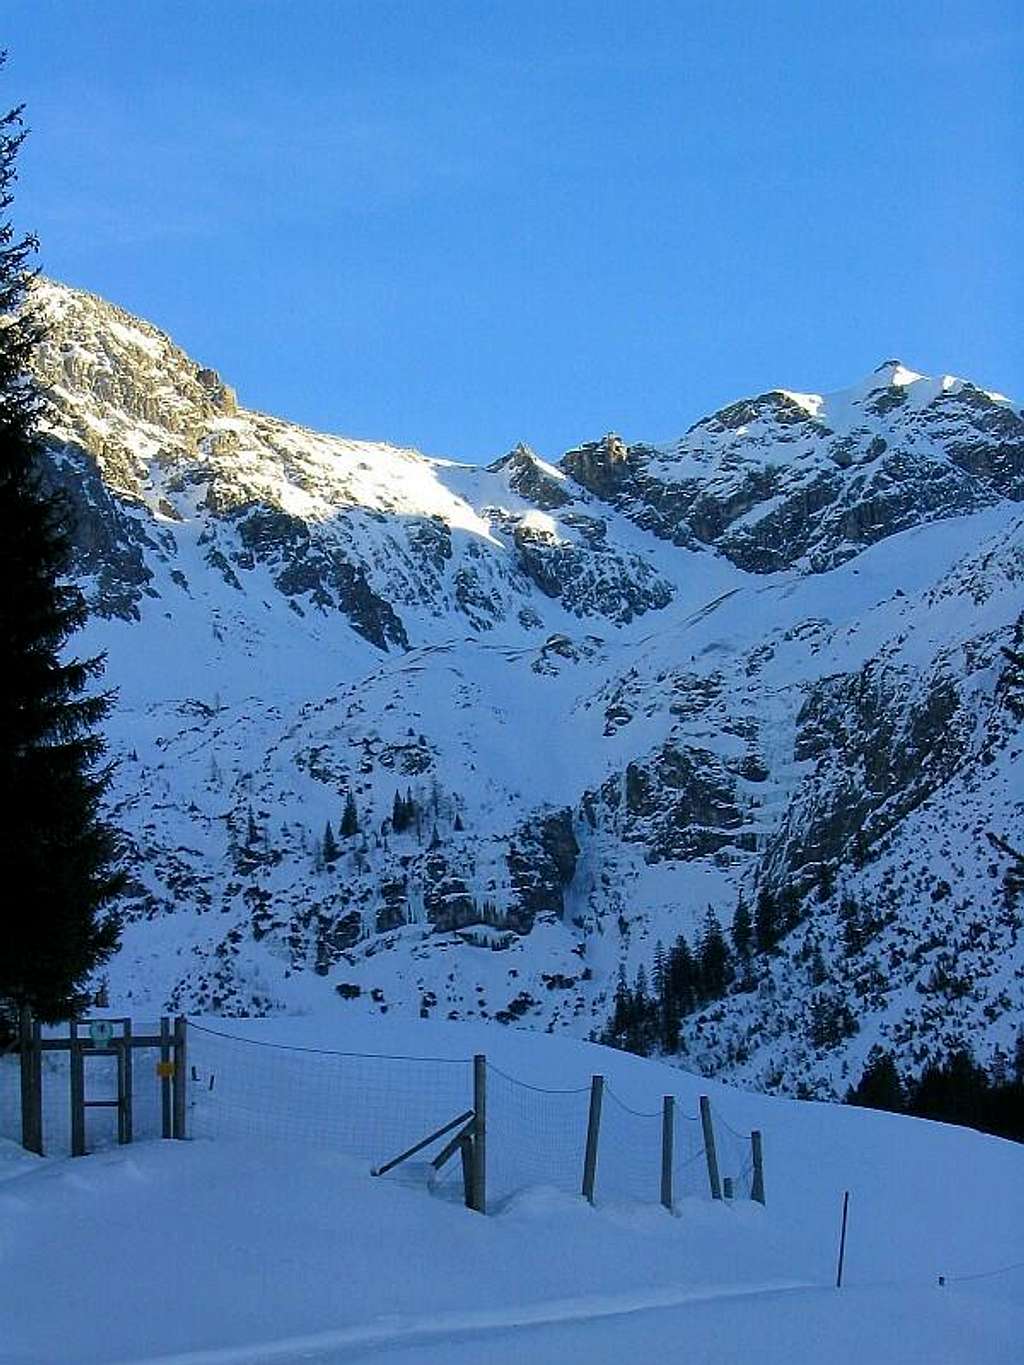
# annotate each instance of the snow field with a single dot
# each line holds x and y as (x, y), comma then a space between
(250, 1249)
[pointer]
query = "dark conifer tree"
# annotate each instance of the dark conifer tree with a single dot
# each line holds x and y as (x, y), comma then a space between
(767, 929)
(398, 817)
(330, 845)
(742, 929)
(826, 881)
(789, 909)
(682, 976)
(714, 962)
(349, 818)
(57, 853)
(880, 1086)
(659, 974)
(618, 1026)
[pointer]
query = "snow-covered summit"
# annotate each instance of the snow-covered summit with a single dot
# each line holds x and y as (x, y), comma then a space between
(789, 479)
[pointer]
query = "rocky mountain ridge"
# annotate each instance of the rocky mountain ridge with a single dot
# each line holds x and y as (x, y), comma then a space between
(551, 713)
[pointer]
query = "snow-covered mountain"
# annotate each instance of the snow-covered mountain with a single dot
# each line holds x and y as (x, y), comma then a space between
(568, 707)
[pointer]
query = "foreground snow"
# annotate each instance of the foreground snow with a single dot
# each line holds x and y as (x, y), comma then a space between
(239, 1251)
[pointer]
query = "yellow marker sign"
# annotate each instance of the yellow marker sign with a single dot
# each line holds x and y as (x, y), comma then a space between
(165, 1070)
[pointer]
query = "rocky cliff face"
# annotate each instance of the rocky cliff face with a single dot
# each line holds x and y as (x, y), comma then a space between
(801, 480)
(400, 734)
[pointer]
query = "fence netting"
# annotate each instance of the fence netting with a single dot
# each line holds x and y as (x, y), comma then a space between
(534, 1136)
(735, 1158)
(629, 1152)
(689, 1163)
(370, 1107)
(10, 1097)
(374, 1108)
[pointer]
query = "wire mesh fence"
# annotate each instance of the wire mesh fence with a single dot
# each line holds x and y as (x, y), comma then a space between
(377, 1107)
(629, 1152)
(735, 1159)
(534, 1136)
(10, 1097)
(689, 1160)
(370, 1107)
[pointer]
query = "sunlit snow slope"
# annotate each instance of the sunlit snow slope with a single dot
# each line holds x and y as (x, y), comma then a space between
(574, 704)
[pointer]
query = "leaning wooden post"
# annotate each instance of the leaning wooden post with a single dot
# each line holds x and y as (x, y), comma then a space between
(593, 1133)
(480, 1133)
(668, 1132)
(465, 1143)
(77, 1075)
(757, 1152)
(166, 1071)
(710, 1153)
(180, 1079)
(31, 1083)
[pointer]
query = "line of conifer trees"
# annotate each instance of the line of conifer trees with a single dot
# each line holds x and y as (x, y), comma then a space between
(955, 1090)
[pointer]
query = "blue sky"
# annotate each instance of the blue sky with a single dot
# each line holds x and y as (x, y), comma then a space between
(459, 225)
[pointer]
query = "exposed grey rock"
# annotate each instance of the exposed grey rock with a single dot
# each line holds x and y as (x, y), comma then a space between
(541, 860)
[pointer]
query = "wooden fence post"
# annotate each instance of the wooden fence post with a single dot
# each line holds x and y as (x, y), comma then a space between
(166, 1126)
(757, 1152)
(126, 1086)
(77, 1078)
(180, 1078)
(479, 1133)
(668, 1124)
(710, 1152)
(31, 1058)
(593, 1133)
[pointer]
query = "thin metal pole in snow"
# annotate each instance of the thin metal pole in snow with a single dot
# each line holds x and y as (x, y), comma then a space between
(842, 1241)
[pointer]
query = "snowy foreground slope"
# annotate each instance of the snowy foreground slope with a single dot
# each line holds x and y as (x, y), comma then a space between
(611, 692)
(217, 1251)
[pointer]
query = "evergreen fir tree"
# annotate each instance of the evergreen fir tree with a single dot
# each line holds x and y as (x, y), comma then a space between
(880, 1086)
(398, 816)
(349, 819)
(789, 909)
(330, 845)
(618, 1025)
(252, 834)
(742, 929)
(819, 970)
(658, 975)
(1013, 875)
(714, 962)
(682, 976)
(854, 926)
(57, 853)
(826, 881)
(767, 929)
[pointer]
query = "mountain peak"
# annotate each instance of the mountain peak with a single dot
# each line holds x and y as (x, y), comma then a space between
(894, 372)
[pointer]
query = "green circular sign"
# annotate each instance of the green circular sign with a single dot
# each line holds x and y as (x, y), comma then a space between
(101, 1033)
